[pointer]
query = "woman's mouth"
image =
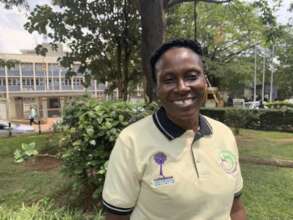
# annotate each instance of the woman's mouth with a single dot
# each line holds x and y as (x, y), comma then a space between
(184, 102)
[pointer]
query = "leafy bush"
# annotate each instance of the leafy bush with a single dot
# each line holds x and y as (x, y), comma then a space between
(281, 120)
(25, 152)
(280, 105)
(90, 130)
(261, 119)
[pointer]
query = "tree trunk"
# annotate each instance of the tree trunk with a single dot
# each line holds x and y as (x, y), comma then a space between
(153, 28)
(119, 71)
(126, 50)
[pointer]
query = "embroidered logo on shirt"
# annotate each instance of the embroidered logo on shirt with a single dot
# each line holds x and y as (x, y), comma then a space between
(228, 162)
(160, 159)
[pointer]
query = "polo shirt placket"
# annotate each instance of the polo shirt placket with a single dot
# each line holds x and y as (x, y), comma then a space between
(172, 131)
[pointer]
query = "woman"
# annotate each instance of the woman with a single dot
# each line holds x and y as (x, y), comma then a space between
(176, 164)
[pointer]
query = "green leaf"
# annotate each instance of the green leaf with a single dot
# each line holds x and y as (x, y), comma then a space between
(93, 142)
(90, 131)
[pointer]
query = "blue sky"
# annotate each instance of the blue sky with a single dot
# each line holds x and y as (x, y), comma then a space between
(13, 37)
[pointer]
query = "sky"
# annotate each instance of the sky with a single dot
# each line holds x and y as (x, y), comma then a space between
(14, 37)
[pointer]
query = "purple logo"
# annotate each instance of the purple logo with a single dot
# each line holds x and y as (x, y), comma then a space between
(160, 158)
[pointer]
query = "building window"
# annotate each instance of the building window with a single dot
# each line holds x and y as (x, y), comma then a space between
(66, 82)
(40, 81)
(28, 82)
(14, 70)
(40, 69)
(2, 82)
(2, 70)
(53, 69)
(27, 69)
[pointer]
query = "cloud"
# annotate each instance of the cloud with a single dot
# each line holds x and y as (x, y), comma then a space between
(13, 36)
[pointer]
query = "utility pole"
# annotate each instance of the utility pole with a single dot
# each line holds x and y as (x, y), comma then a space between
(195, 18)
(263, 78)
(7, 95)
(254, 77)
(272, 74)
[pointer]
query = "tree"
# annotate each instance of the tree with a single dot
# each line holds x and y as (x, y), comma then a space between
(284, 74)
(153, 29)
(226, 37)
(10, 3)
(103, 36)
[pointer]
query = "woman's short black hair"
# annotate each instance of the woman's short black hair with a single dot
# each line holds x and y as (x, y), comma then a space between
(190, 44)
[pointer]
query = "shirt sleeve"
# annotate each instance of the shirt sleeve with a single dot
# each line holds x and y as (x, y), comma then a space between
(122, 184)
(238, 176)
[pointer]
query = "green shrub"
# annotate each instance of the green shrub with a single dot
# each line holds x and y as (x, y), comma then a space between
(25, 152)
(280, 105)
(90, 130)
(281, 120)
(260, 119)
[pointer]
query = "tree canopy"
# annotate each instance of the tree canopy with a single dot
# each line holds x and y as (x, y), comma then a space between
(103, 37)
(228, 40)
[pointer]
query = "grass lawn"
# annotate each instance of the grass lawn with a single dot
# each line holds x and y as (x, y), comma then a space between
(266, 144)
(20, 183)
(267, 194)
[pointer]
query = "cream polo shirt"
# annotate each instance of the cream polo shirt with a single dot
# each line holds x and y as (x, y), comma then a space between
(158, 171)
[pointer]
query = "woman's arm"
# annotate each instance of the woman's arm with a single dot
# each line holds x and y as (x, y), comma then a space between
(237, 210)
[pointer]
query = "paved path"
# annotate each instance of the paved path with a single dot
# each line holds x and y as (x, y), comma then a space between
(268, 162)
(48, 126)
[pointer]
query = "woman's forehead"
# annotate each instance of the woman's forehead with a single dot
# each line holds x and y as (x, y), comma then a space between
(176, 56)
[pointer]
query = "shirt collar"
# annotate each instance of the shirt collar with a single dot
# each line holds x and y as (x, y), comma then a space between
(172, 131)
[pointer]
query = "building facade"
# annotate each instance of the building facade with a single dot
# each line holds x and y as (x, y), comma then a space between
(39, 82)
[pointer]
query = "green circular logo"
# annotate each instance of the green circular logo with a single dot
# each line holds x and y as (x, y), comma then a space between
(228, 162)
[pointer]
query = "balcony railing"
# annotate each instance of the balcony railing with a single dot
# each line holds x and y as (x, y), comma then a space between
(41, 88)
(66, 87)
(2, 88)
(42, 74)
(27, 88)
(27, 73)
(14, 88)
(78, 87)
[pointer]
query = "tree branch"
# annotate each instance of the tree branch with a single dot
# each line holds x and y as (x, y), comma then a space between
(171, 3)
(232, 55)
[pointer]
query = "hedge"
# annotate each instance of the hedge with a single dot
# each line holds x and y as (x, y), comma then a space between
(261, 119)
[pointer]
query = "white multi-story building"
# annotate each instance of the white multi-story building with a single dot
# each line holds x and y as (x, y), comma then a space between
(39, 82)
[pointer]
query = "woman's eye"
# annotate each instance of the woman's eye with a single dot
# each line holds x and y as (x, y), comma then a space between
(191, 77)
(169, 80)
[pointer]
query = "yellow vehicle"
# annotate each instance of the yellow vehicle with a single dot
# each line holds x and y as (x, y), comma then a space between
(214, 98)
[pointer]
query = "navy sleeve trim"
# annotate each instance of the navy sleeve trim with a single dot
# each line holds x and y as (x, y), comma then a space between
(237, 195)
(116, 210)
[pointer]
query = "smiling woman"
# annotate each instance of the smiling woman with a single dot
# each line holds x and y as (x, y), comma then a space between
(176, 164)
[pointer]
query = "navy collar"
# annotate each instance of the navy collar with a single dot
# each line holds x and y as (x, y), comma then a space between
(172, 131)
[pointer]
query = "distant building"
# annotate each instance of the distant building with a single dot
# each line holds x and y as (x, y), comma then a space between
(40, 82)
(248, 92)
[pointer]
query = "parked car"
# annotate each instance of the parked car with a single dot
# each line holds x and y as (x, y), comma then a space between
(252, 104)
(15, 128)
